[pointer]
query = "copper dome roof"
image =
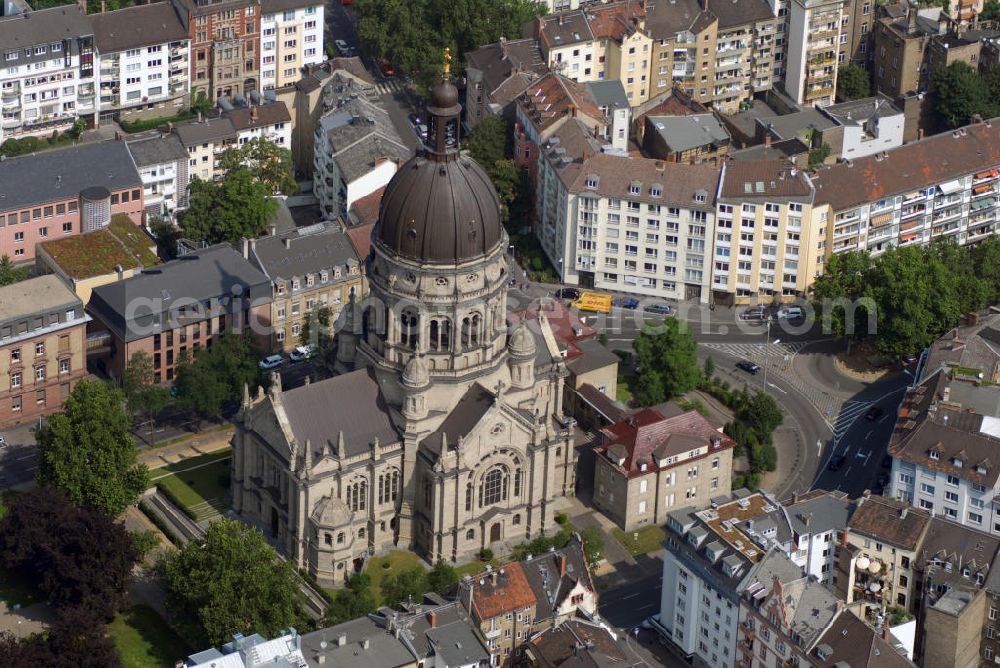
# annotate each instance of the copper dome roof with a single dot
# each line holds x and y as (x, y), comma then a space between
(440, 212)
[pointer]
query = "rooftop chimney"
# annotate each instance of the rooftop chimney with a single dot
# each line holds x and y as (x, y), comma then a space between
(288, 242)
(365, 644)
(432, 619)
(341, 640)
(561, 559)
(272, 229)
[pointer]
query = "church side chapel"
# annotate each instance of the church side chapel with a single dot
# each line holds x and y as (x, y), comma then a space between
(443, 432)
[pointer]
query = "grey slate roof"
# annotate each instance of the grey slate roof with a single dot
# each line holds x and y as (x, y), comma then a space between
(43, 27)
(209, 130)
(359, 159)
(457, 645)
(157, 148)
(358, 132)
(271, 113)
(814, 605)
(217, 272)
(856, 112)
(463, 417)
(595, 356)
(682, 133)
(384, 650)
(61, 174)
(819, 514)
(609, 93)
(350, 403)
(550, 587)
(133, 27)
(733, 14)
(309, 251)
(793, 125)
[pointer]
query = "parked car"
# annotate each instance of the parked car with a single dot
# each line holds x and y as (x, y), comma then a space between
(754, 313)
(567, 293)
(748, 366)
(421, 130)
(302, 353)
(910, 358)
(386, 68)
(271, 362)
(790, 313)
(658, 309)
(836, 462)
(625, 302)
(415, 119)
(342, 47)
(874, 413)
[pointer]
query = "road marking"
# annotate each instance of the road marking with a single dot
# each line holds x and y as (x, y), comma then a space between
(886, 418)
(867, 457)
(625, 598)
(859, 455)
(777, 388)
(869, 434)
(847, 472)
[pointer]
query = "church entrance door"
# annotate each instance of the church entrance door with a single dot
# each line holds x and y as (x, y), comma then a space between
(495, 533)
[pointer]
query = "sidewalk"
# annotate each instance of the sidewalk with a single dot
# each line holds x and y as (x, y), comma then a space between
(788, 443)
(198, 444)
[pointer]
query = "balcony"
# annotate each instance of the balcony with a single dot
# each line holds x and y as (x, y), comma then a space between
(915, 211)
(10, 123)
(11, 92)
(11, 105)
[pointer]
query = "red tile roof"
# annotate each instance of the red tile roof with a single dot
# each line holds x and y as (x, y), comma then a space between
(511, 592)
(647, 437)
(553, 97)
(566, 326)
(361, 239)
(750, 179)
(364, 211)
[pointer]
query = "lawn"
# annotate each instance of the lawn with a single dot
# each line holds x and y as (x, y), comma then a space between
(474, 567)
(390, 564)
(649, 539)
(143, 639)
(624, 393)
(199, 483)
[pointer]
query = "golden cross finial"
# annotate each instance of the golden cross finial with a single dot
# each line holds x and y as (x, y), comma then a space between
(447, 62)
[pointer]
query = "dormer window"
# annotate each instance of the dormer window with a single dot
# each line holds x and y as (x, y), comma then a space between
(656, 191)
(634, 188)
(281, 288)
(592, 181)
(700, 196)
(324, 275)
(310, 279)
(980, 469)
(296, 284)
(934, 455)
(956, 462)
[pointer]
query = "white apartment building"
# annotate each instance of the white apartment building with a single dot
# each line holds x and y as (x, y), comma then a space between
(814, 30)
(144, 59)
(48, 77)
(291, 39)
(943, 186)
(162, 162)
(271, 121)
(205, 141)
(630, 224)
(817, 518)
(356, 151)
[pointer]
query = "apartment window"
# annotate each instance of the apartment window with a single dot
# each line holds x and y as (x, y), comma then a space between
(15, 380)
(40, 373)
(40, 348)
(975, 518)
(63, 366)
(926, 505)
(15, 404)
(926, 489)
(19, 237)
(40, 397)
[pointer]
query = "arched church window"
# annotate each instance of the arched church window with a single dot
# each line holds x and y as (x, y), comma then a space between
(517, 481)
(468, 497)
(328, 539)
(470, 534)
(340, 538)
(493, 487)
(361, 532)
(409, 329)
(445, 335)
(517, 520)
(477, 323)
(381, 489)
(363, 494)
(395, 485)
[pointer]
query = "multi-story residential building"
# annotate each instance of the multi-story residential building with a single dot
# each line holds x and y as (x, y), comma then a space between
(43, 340)
(225, 46)
(309, 268)
(497, 73)
(814, 38)
(356, 151)
(711, 557)
(187, 303)
(766, 245)
(578, 641)
(898, 47)
(684, 35)
(689, 138)
(270, 121)
(943, 186)
(749, 54)
(205, 141)
(649, 465)
(162, 162)
(85, 261)
(291, 40)
(49, 76)
(878, 553)
(596, 213)
(857, 23)
(67, 191)
(144, 58)
(817, 518)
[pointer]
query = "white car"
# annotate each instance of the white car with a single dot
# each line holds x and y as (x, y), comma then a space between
(790, 313)
(302, 353)
(271, 362)
(342, 47)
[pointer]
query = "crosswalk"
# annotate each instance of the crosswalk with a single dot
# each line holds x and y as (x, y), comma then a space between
(387, 86)
(755, 351)
(849, 412)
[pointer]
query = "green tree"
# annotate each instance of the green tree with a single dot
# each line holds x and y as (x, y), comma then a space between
(853, 82)
(74, 640)
(230, 581)
(991, 11)
(839, 291)
(316, 328)
(409, 585)
(87, 451)
(355, 600)
(709, 369)
(216, 375)
(959, 92)
(9, 273)
(144, 396)
(489, 141)
(266, 161)
(667, 357)
(593, 544)
(200, 103)
(985, 260)
(442, 578)
(818, 155)
(236, 207)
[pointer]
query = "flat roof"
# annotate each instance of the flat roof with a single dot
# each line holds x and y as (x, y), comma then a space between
(35, 295)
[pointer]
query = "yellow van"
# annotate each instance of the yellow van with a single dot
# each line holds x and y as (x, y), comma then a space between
(596, 302)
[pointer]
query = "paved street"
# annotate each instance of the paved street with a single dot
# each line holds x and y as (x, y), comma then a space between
(19, 459)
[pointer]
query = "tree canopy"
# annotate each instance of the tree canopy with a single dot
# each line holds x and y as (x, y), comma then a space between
(231, 581)
(853, 82)
(353, 601)
(960, 91)
(213, 376)
(75, 640)
(79, 558)
(9, 273)
(87, 451)
(266, 161)
(236, 207)
(667, 358)
(144, 396)
(917, 293)
(414, 33)
(490, 144)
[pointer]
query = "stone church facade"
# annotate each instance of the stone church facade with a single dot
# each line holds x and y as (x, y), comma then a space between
(444, 431)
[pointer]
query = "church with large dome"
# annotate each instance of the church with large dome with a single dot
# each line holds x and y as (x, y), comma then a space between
(443, 432)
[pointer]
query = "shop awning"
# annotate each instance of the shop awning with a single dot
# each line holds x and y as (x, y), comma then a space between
(881, 219)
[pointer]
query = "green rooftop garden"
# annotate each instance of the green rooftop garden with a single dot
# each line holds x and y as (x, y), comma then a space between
(96, 253)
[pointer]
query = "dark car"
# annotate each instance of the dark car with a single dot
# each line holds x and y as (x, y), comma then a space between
(754, 313)
(836, 462)
(874, 413)
(748, 366)
(567, 293)
(909, 358)
(625, 302)
(386, 68)
(658, 309)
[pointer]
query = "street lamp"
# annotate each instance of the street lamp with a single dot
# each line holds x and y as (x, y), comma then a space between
(767, 344)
